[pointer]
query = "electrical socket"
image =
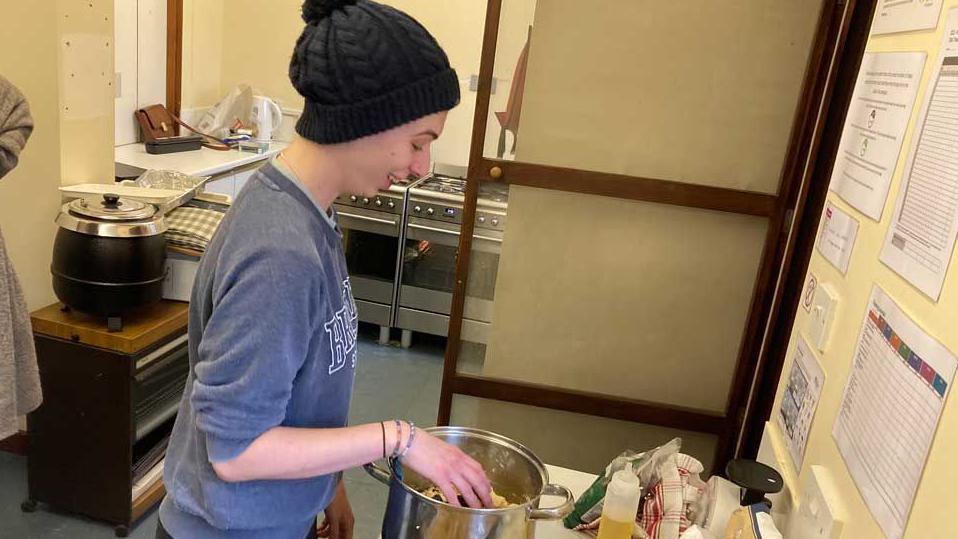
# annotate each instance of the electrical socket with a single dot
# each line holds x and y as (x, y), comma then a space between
(819, 322)
(820, 514)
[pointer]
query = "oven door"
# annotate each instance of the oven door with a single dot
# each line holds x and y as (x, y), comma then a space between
(429, 269)
(371, 246)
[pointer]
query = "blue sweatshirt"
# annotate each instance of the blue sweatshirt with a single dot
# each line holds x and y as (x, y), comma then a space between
(272, 342)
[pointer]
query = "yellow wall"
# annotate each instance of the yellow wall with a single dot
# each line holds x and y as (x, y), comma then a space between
(67, 146)
(28, 195)
(250, 42)
(932, 514)
(202, 52)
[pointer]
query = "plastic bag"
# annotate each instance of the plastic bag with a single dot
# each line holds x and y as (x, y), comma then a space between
(231, 110)
(674, 497)
(169, 179)
(589, 506)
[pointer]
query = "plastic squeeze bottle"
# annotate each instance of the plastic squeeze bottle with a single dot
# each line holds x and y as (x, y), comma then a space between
(620, 505)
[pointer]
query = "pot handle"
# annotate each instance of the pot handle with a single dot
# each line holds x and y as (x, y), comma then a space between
(378, 472)
(560, 511)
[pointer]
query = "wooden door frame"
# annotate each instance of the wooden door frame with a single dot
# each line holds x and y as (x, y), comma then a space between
(174, 56)
(765, 303)
(825, 140)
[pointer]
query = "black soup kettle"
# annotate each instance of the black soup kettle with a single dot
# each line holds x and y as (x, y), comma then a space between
(109, 255)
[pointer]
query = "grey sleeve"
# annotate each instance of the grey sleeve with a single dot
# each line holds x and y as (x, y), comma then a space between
(253, 346)
(16, 125)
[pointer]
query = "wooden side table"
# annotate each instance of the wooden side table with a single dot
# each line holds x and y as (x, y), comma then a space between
(109, 400)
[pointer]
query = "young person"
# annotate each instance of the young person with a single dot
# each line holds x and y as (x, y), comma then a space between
(261, 436)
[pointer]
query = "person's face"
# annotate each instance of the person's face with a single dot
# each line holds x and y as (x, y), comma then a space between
(381, 159)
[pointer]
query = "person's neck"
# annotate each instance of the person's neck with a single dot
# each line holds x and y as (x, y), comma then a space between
(315, 168)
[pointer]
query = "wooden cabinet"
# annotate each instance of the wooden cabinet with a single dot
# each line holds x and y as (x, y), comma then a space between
(109, 403)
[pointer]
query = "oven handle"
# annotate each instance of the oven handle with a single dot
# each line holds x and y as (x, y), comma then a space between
(365, 218)
(452, 232)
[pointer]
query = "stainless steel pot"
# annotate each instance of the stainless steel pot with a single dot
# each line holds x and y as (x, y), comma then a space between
(515, 472)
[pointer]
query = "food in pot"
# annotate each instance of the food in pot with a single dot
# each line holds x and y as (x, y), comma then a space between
(497, 501)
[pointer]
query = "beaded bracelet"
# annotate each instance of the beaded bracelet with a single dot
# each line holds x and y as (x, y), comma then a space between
(398, 438)
(412, 436)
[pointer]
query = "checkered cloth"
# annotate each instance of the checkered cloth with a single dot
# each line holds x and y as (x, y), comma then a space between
(192, 228)
(670, 505)
(665, 512)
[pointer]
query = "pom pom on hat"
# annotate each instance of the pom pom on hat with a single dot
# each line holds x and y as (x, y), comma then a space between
(317, 10)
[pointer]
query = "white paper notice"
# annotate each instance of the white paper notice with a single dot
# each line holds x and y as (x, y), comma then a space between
(904, 15)
(922, 234)
(836, 237)
(899, 380)
(874, 127)
(800, 400)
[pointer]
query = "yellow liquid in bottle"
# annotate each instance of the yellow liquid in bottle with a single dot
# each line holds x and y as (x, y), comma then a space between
(615, 529)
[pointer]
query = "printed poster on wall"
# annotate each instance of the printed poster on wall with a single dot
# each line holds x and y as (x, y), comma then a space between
(921, 237)
(905, 15)
(836, 237)
(897, 386)
(875, 125)
(800, 400)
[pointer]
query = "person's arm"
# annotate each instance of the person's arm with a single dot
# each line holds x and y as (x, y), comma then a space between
(253, 345)
(296, 453)
(299, 453)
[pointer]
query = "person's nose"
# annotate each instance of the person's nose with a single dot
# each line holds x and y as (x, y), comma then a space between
(420, 163)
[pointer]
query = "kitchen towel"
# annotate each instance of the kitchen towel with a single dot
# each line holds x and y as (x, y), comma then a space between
(191, 227)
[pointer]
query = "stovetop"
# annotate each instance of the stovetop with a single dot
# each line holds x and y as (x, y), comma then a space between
(441, 198)
(493, 194)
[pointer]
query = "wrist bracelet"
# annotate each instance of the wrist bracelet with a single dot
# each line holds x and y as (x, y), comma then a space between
(398, 438)
(412, 436)
(382, 425)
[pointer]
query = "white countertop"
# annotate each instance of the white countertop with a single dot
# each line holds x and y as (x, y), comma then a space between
(573, 480)
(202, 162)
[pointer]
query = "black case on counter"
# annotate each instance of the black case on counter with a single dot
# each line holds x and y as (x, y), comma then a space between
(183, 143)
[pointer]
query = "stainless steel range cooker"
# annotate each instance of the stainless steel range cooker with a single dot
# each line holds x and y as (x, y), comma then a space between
(428, 272)
(372, 230)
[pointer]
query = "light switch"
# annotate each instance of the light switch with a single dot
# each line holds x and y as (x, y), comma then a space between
(820, 514)
(819, 321)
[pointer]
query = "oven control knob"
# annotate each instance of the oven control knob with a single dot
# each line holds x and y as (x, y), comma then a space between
(352, 198)
(391, 204)
(379, 202)
(417, 209)
(365, 200)
(430, 211)
(482, 219)
(495, 222)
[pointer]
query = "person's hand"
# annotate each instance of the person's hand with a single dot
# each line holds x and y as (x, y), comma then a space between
(339, 520)
(449, 469)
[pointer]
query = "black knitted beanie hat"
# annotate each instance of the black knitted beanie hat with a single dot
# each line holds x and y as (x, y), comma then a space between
(364, 68)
